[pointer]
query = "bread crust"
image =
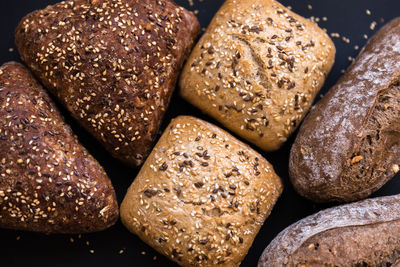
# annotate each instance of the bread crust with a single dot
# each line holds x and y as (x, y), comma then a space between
(201, 196)
(347, 147)
(48, 181)
(364, 233)
(113, 64)
(257, 70)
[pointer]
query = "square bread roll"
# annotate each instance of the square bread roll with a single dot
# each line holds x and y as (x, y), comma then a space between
(257, 70)
(201, 196)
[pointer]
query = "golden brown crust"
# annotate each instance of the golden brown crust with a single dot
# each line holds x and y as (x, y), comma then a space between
(257, 70)
(48, 181)
(201, 196)
(113, 64)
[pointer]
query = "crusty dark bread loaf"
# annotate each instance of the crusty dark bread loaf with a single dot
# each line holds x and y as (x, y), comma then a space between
(112, 63)
(257, 70)
(48, 181)
(365, 233)
(201, 196)
(349, 145)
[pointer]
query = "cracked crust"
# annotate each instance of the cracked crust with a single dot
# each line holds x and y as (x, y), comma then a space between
(257, 70)
(201, 196)
(113, 64)
(48, 181)
(348, 146)
(364, 233)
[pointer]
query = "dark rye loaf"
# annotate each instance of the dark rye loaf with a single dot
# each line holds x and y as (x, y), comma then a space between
(364, 233)
(48, 181)
(112, 63)
(348, 146)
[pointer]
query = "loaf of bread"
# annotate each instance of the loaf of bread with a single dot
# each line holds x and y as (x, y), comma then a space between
(349, 145)
(48, 182)
(112, 63)
(364, 233)
(201, 196)
(257, 70)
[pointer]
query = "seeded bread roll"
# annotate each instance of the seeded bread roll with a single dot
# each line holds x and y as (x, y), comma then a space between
(48, 182)
(365, 233)
(201, 196)
(348, 146)
(112, 63)
(257, 70)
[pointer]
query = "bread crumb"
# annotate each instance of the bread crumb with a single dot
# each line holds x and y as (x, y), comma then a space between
(309, 7)
(372, 26)
(335, 35)
(121, 251)
(91, 251)
(10, 49)
(365, 36)
(71, 239)
(196, 12)
(345, 40)
(356, 47)
(356, 159)
(154, 258)
(143, 252)
(324, 19)
(18, 238)
(368, 12)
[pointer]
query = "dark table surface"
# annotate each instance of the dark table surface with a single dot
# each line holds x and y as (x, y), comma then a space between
(116, 246)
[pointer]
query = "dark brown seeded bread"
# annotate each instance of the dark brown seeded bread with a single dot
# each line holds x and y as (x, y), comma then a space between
(348, 146)
(112, 63)
(201, 196)
(364, 233)
(48, 182)
(257, 70)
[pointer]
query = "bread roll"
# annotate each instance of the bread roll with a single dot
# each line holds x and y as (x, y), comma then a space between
(48, 182)
(201, 196)
(348, 146)
(113, 64)
(365, 233)
(257, 70)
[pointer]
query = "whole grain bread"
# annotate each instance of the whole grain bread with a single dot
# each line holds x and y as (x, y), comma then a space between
(48, 182)
(348, 146)
(257, 70)
(201, 196)
(364, 233)
(112, 63)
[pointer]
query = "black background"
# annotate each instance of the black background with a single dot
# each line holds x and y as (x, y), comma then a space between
(348, 18)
